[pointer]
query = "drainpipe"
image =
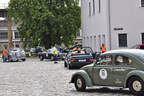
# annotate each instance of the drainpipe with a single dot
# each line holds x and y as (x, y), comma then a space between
(109, 23)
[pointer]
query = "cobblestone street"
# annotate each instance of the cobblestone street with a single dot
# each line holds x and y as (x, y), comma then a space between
(44, 78)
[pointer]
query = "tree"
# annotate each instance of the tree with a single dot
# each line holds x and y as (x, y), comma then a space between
(46, 22)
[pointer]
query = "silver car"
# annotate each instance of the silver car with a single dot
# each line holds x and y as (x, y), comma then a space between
(16, 54)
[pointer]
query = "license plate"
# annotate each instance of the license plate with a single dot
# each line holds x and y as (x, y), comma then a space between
(82, 60)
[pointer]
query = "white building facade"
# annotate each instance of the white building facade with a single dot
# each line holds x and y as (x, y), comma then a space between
(4, 29)
(116, 23)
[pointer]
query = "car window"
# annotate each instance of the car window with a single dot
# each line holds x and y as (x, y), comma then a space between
(88, 50)
(122, 60)
(105, 60)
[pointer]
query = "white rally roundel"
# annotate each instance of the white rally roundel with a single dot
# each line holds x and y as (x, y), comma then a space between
(103, 74)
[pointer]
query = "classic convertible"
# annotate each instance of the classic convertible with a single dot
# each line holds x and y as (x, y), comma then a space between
(78, 58)
(119, 68)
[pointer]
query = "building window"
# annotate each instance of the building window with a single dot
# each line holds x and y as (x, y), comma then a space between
(91, 41)
(78, 33)
(142, 3)
(89, 9)
(16, 35)
(103, 39)
(3, 35)
(99, 6)
(99, 40)
(142, 38)
(17, 45)
(122, 40)
(5, 46)
(93, 6)
(84, 41)
(95, 44)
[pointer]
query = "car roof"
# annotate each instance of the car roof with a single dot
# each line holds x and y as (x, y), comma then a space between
(141, 44)
(137, 52)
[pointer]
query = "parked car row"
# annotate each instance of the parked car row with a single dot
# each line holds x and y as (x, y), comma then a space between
(48, 54)
(120, 68)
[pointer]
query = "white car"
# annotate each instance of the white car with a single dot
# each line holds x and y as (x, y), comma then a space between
(16, 54)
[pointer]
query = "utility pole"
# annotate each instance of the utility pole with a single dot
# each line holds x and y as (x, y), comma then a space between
(10, 42)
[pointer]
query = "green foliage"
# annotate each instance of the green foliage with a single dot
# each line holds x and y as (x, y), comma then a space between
(46, 22)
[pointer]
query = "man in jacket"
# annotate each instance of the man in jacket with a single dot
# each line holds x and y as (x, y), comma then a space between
(4, 54)
(103, 48)
(55, 53)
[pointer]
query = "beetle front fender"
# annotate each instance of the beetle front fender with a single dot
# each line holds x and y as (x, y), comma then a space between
(135, 73)
(84, 75)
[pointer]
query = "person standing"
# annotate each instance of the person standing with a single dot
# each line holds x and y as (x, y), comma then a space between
(103, 48)
(55, 53)
(4, 54)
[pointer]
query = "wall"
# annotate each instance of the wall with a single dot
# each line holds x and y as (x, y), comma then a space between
(95, 25)
(127, 14)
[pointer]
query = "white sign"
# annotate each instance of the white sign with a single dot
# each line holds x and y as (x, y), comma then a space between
(103, 74)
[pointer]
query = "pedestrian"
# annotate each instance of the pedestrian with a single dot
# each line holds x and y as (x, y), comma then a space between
(103, 48)
(55, 53)
(5, 54)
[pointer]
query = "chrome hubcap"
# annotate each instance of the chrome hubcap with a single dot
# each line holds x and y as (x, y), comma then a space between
(137, 86)
(79, 83)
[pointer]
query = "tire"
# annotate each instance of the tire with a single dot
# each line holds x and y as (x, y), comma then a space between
(41, 58)
(136, 85)
(23, 59)
(80, 84)
(65, 64)
(69, 66)
(17, 60)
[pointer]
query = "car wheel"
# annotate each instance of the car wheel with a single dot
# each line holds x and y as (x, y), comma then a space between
(41, 58)
(80, 84)
(69, 66)
(65, 64)
(17, 60)
(136, 85)
(23, 59)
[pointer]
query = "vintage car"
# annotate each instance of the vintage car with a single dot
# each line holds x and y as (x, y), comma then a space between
(119, 68)
(49, 54)
(78, 58)
(16, 54)
(138, 46)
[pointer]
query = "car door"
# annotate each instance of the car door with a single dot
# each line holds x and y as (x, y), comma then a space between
(102, 71)
(122, 66)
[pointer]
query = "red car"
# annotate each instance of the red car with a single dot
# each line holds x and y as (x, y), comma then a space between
(140, 46)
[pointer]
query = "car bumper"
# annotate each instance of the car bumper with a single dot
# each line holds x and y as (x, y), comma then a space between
(14, 58)
(79, 64)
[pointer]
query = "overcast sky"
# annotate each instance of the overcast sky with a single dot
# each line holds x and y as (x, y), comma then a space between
(4, 1)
